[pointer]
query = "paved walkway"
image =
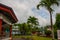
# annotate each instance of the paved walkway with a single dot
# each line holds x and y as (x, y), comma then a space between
(22, 39)
(6, 39)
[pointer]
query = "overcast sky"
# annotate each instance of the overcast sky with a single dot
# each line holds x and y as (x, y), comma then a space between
(25, 8)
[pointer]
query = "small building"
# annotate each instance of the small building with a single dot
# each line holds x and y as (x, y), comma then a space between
(7, 19)
(15, 30)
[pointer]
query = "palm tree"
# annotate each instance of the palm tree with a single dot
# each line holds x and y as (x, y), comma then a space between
(47, 4)
(33, 21)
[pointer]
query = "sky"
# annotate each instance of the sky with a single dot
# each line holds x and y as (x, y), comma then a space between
(25, 8)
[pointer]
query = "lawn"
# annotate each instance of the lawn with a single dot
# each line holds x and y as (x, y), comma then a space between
(41, 38)
(34, 37)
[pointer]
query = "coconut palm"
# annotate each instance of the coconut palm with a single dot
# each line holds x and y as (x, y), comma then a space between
(47, 4)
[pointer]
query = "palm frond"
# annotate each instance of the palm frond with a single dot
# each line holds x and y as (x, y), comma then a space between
(57, 3)
(43, 4)
(54, 2)
(38, 6)
(50, 9)
(48, 4)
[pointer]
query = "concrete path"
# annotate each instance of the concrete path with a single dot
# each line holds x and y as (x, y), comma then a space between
(6, 39)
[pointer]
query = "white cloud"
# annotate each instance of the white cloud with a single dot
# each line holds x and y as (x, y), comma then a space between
(23, 9)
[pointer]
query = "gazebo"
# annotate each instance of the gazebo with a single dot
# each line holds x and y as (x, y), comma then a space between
(7, 19)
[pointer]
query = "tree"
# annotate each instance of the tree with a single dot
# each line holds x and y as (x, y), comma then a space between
(33, 21)
(47, 31)
(58, 21)
(47, 4)
(55, 30)
(23, 28)
(57, 25)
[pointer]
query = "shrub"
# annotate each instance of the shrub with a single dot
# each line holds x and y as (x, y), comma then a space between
(48, 33)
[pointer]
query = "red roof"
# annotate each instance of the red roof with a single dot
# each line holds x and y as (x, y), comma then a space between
(9, 10)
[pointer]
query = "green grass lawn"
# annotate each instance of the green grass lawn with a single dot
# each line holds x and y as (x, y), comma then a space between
(35, 37)
(41, 38)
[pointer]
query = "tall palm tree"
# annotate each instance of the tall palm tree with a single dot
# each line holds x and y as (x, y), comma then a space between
(33, 21)
(47, 4)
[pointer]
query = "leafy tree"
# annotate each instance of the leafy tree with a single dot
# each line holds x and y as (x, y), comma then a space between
(58, 21)
(55, 30)
(57, 25)
(23, 28)
(48, 33)
(47, 30)
(33, 21)
(47, 4)
(42, 29)
(27, 28)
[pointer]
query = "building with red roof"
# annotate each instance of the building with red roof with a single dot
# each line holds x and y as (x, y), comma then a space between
(7, 18)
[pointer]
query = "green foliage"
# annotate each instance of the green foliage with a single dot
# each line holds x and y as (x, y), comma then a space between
(34, 37)
(48, 32)
(24, 28)
(55, 30)
(27, 28)
(57, 25)
(33, 21)
(47, 4)
(58, 21)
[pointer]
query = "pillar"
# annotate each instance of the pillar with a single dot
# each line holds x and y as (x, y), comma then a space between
(0, 27)
(10, 32)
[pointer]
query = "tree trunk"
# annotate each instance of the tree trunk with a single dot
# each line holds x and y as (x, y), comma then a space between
(52, 28)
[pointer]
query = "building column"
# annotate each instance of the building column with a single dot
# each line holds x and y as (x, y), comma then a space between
(0, 27)
(10, 32)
